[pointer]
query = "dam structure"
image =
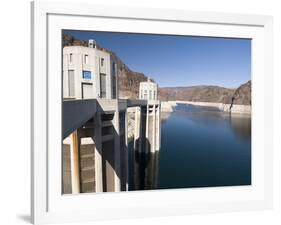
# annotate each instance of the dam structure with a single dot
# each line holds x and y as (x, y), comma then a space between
(95, 122)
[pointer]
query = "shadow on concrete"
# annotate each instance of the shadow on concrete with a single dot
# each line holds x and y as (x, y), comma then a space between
(113, 149)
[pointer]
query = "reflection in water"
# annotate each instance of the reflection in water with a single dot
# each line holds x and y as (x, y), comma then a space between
(200, 147)
(241, 125)
(145, 170)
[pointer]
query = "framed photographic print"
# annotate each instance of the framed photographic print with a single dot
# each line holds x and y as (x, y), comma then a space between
(149, 112)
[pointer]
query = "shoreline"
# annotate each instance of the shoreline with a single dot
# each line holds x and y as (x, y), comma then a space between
(168, 106)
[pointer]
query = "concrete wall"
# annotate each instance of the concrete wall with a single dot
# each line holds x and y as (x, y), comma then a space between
(66, 171)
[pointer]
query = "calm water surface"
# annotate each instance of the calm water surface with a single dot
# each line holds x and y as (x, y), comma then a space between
(200, 147)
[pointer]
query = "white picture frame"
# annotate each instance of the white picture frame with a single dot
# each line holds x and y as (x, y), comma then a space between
(47, 203)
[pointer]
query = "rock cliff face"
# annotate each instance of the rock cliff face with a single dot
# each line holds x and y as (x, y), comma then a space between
(242, 95)
(129, 80)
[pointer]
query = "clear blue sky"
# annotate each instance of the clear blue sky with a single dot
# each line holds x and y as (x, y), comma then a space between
(180, 60)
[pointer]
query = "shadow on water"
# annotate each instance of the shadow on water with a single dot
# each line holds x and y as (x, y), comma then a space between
(241, 126)
(143, 169)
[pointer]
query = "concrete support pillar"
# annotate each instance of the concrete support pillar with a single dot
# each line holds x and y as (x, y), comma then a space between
(144, 130)
(147, 131)
(137, 133)
(74, 162)
(117, 168)
(154, 134)
(147, 139)
(98, 152)
(126, 148)
(137, 145)
(158, 128)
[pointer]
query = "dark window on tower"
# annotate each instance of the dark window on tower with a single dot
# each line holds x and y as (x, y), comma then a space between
(114, 87)
(102, 85)
(86, 59)
(113, 80)
(114, 69)
(71, 83)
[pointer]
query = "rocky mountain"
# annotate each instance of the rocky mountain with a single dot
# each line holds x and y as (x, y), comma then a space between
(242, 95)
(239, 96)
(197, 94)
(129, 80)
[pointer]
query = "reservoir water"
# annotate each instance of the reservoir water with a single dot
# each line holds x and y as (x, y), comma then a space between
(200, 147)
